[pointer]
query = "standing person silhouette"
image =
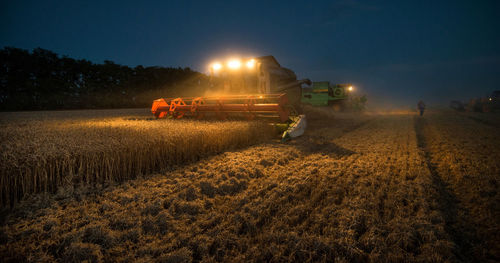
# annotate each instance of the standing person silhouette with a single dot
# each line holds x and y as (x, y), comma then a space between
(421, 107)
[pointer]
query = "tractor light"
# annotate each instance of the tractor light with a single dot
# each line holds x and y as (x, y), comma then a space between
(490, 99)
(251, 63)
(234, 64)
(350, 88)
(216, 66)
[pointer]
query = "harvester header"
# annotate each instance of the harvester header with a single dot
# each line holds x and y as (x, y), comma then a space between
(250, 106)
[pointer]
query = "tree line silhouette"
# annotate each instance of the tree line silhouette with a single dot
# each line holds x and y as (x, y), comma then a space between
(43, 80)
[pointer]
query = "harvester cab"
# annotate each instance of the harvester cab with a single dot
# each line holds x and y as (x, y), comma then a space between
(261, 75)
(255, 87)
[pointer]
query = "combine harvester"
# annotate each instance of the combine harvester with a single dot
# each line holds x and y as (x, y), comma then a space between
(257, 87)
(322, 93)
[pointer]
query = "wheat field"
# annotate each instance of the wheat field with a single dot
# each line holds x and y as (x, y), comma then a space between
(379, 187)
(42, 151)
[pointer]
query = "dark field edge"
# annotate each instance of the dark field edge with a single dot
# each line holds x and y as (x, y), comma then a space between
(448, 202)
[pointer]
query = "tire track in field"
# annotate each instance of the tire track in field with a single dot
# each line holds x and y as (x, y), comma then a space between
(340, 151)
(481, 121)
(448, 202)
(309, 145)
(312, 143)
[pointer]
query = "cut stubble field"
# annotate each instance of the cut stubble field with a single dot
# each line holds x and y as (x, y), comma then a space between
(355, 187)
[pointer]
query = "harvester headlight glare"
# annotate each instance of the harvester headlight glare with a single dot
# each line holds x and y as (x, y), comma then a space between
(350, 88)
(216, 66)
(234, 64)
(490, 99)
(251, 63)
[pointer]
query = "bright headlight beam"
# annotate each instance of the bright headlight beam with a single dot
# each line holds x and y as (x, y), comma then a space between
(234, 64)
(350, 88)
(216, 66)
(251, 63)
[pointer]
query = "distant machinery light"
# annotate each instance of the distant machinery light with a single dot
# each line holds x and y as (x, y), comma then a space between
(234, 64)
(490, 99)
(350, 88)
(251, 63)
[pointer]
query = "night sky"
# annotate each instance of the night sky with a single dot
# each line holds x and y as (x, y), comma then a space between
(395, 51)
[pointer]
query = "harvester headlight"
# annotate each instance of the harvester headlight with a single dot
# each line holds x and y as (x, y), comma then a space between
(350, 88)
(490, 99)
(251, 63)
(216, 66)
(234, 64)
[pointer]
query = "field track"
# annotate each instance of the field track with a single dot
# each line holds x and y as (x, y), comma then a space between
(372, 187)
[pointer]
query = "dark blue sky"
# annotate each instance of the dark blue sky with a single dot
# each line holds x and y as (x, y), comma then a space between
(392, 50)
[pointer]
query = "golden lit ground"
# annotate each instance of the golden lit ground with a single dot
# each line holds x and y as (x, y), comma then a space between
(379, 187)
(41, 151)
(467, 161)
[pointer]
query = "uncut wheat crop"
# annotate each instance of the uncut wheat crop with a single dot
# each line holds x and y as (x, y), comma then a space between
(45, 150)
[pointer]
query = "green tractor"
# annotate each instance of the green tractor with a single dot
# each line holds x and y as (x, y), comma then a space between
(322, 93)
